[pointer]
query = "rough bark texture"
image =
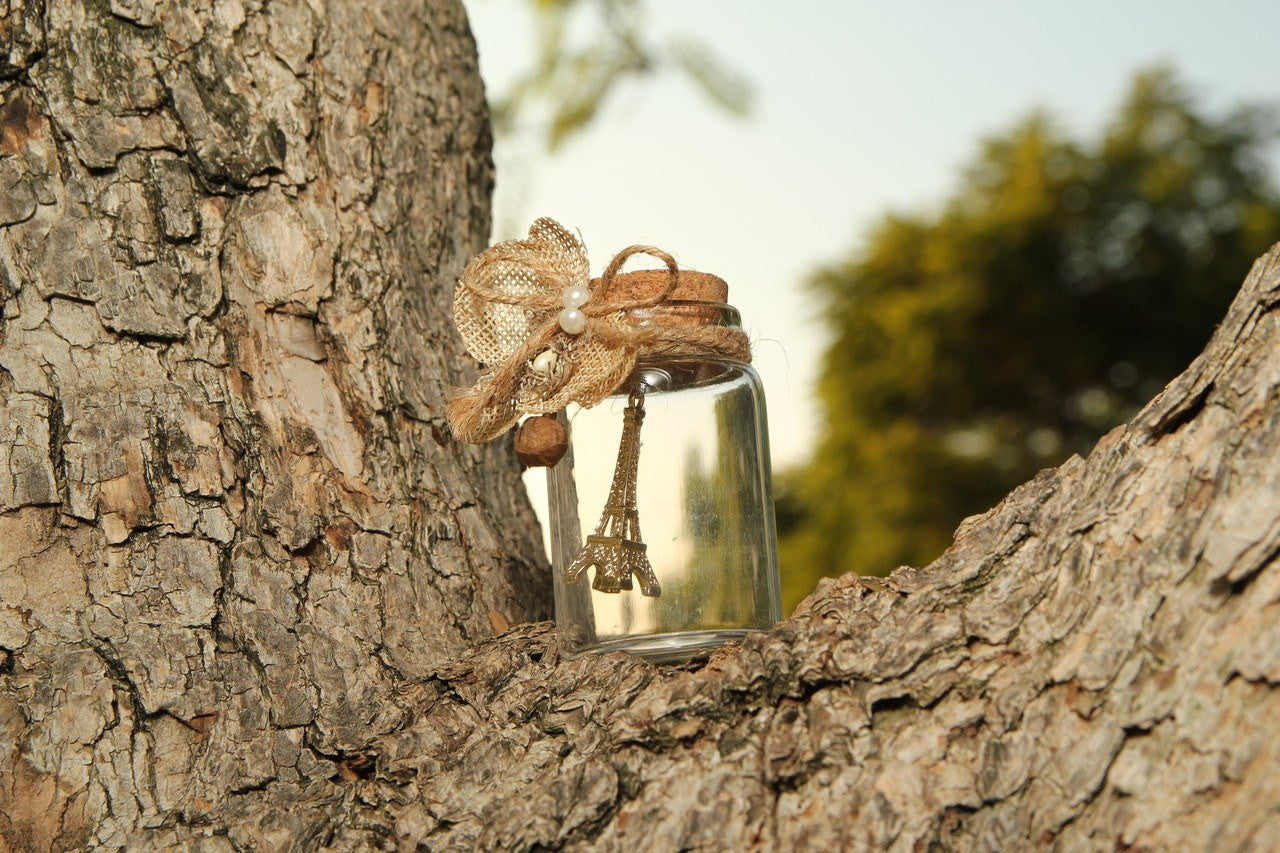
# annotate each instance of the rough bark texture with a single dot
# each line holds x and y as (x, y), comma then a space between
(245, 582)
(1094, 664)
(231, 523)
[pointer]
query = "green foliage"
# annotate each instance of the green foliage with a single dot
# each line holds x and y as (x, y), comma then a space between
(1063, 284)
(568, 84)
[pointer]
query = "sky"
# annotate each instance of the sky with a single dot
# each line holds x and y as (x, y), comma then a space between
(861, 108)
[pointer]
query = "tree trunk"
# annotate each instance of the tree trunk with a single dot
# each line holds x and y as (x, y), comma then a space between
(232, 526)
(247, 583)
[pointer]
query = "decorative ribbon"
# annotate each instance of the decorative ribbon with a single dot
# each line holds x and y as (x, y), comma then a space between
(527, 311)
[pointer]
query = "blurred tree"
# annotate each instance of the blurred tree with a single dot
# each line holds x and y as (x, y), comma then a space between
(1061, 286)
(571, 79)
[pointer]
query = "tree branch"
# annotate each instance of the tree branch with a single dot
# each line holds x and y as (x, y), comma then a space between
(1094, 662)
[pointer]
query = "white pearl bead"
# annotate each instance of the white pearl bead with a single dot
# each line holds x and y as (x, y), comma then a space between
(546, 361)
(575, 297)
(573, 321)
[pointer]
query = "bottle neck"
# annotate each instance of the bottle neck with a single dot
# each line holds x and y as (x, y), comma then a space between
(676, 313)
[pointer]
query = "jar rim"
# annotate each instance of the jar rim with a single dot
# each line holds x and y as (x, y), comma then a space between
(687, 312)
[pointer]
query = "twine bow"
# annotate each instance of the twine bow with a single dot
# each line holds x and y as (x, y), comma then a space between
(512, 307)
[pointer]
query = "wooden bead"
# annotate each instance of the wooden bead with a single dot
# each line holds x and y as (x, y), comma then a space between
(541, 441)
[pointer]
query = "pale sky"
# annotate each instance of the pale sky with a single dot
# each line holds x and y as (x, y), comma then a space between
(860, 108)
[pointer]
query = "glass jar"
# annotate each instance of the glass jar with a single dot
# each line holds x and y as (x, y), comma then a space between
(696, 501)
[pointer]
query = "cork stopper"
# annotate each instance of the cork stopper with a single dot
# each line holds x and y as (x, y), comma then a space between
(693, 286)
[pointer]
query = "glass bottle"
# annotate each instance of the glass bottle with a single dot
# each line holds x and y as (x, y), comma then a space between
(698, 495)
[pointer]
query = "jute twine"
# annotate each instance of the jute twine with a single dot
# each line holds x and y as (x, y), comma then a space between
(506, 307)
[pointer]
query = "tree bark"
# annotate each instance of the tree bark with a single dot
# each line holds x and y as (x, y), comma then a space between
(248, 585)
(232, 524)
(1093, 664)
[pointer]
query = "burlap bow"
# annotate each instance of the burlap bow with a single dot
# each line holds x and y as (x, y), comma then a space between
(508, 306)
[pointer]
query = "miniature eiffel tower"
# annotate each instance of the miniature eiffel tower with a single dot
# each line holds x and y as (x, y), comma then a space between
(615, 549)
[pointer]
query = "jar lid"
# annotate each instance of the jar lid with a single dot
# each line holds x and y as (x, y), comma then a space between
(692, 286)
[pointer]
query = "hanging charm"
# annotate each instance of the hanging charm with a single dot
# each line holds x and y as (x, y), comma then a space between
(615, 548)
